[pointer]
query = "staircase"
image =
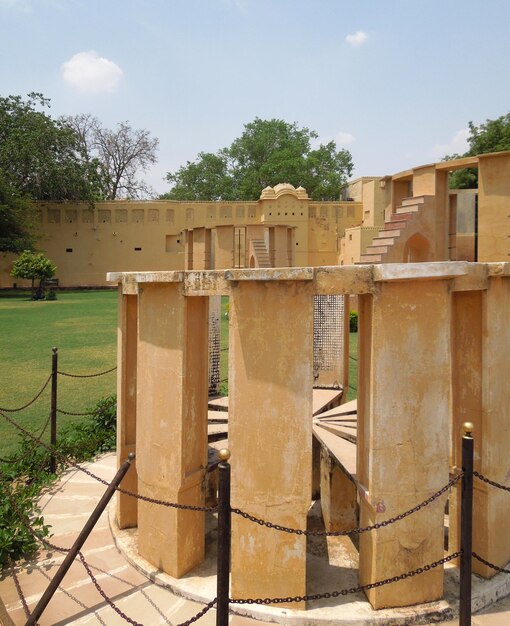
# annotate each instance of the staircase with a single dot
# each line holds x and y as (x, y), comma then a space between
(260, 253)
(384, 244)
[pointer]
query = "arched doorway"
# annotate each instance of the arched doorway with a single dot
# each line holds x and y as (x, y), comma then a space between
(417, 249)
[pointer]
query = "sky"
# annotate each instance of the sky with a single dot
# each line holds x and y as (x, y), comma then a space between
(393, 81)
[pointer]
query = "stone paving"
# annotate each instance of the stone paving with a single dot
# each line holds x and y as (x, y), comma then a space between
(66, 507)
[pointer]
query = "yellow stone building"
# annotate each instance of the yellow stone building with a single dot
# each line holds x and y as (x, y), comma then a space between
(408, 217)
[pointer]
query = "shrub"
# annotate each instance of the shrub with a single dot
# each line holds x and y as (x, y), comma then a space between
(353, 322)
(24, 474)
(51, 295)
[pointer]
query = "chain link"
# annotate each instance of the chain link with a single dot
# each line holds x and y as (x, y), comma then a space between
(87, 375)
(359, 530)
(494, 567)
(74, 414)
(25, 406)
(173, 505)
(30, 451)
(490, 482)
(351, 590)
(19, 590)
(121, 613)
(103, 594)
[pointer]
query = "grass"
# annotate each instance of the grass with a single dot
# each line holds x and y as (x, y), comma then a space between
(353, 367)
(83, 326)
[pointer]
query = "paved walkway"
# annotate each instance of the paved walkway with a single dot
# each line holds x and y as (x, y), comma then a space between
(66, 508)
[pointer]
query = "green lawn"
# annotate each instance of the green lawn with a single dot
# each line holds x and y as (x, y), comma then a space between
(83, 326)
(353, 367)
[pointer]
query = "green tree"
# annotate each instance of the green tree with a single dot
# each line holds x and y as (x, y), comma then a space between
(34, 266)
(16, 216)
(120, 154)
(42, 157)
(492, 136)
(267, 153)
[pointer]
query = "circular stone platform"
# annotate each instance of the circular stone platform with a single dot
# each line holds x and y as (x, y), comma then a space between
(332, 564)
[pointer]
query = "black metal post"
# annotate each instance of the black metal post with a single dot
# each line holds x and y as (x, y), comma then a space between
(80, 540)
(466, 526)
(223, 561)
(53, 414)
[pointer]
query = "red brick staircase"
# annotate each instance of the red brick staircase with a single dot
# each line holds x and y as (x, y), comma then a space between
(380, 249)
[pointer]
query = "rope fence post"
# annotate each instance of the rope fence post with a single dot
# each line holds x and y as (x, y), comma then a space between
(53, 410)
(80, 540)
(223, 559)
(466, 526)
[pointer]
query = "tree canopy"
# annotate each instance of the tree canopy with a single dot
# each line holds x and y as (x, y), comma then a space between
(492, 136)
(267, 153)
(121, 153)
(71, 159)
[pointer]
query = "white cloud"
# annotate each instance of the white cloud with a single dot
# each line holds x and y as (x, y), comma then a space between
(457, 145)
(357, 39)
(87, 72)
(344, 139)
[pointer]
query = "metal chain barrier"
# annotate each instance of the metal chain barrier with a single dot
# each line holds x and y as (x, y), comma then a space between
(62, 412)
(87, 375)
(30, 451)
(25, 406)
(490, 482)
(491, 565)
(103, 594)
(121, 613)
(359, 530)
(173, 505)
(351, 590)
(19, 590)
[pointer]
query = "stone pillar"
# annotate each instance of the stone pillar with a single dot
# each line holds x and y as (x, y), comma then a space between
(171, 424)
(126, 403)
(338, 496)
(491, 507)
(403, 418)
(482, 340)
(270, 433)
(328, 341)
(224, 247)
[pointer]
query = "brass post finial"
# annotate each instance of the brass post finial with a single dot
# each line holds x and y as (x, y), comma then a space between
(468, 428)
(224, 454)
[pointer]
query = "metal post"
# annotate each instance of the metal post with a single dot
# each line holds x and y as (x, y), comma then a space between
(80, 540)
(53, 413)
(223, 560)
(466, 526)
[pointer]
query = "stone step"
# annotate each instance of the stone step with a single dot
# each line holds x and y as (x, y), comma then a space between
(413, 200)
(383, 241)
(407, 215)
(395, 225)
(412, 208)
(370, 258)
(393, 233)
(376, 249)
